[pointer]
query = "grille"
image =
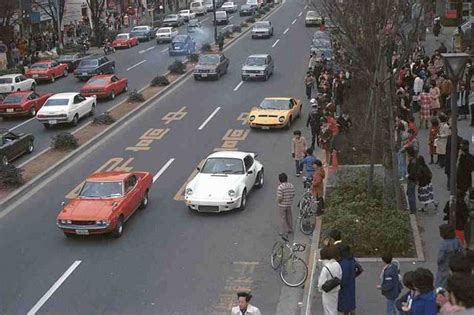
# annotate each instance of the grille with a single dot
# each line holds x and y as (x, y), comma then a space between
(272, 116)
(252, 71)
(208, 208)
(203, 71)
(83, 222)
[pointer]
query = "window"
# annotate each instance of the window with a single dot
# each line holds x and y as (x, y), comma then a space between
(130, 183)
(32, 96)
(114, 79)
(81, 98)
(9, 137)
(23, 78)
(54, 64)
(248, 161)
(17, 80)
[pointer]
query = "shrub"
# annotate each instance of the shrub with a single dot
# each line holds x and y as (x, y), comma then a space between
(243, 24)
(236, 29)
(64, 141)
(250, 20)
(206, 47)
(368, 225)
(10, 176)
(9, 71)
(177, 67)
(159, 80)
(103, 119)
(135, 97)
(194, 57)
(227, 34)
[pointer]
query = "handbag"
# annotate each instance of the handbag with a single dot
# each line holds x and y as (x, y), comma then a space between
(330, 284)
(358, 269)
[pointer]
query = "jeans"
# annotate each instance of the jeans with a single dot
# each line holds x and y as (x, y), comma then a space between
(402, 164)
(299, 166)
(411, 194)
(308, 91)
(391, 310)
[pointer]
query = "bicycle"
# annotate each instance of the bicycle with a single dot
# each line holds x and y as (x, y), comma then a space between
(293, 270)
(307, 206)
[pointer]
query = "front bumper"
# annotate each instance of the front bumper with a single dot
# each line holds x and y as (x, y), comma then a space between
(267, 126)
(85, 229)
(206, 205)
(252, 76)
(205, 75)
(260, 34)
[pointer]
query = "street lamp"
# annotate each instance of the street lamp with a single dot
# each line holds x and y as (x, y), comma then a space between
(454, 64)
(215, 22)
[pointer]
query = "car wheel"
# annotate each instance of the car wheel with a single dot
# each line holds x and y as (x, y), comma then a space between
(33, 87)
(32, 111)
(125, 89)
(47, 126)
(4, 160)
(118, 231)
(92, 112)
(53, 79)
(112, 95)
(75, 120)
(288, 125)
(144, 202)
(65, 73)
(260, 179)
(30, 147)
(243, 200)
(129, 45)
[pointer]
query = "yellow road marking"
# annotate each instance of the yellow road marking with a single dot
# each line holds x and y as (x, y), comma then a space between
(173, 116)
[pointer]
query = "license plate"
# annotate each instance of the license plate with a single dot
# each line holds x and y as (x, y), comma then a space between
(52, 122)
(253, 75)
(84, 73)
(35, 76)
(9, 110)
(265, 128)
(204, 75)
(82, 232)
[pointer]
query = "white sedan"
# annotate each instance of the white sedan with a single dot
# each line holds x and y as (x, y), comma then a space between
(63, 108)
(229, 7)
(187, 15)
(165, 34)
(16, 82)
(223, 182)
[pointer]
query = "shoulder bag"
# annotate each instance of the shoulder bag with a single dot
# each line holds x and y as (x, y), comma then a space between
(330, 284)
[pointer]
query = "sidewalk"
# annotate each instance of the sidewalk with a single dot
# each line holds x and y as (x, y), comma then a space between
(369, 300)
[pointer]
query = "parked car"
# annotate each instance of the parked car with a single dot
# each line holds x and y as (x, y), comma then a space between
(143, 32)
(48, 70)
(105, 202)
(256, 4)
(182, 45)
(275, 112)
(23, 103)
(14, 145)
(66, 108)
(262, 29)
(208, 5)
(173, 20)
(257, 67)
(246, 9)
(72, 60)
(124, 40)
(223, 182)
(165, 34)
(313, 19)
(105, 86)
(221, 18)
(193, 24)
(211, 65)
(16, 82)
(198, 7)
(187, 15)
(91, 67)
(229, 7)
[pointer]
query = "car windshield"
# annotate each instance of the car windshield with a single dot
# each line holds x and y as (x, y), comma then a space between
(164, 31)
(311, 14)
(139, 29)
(184, 11)
(255, 61)
(262, 24)
(223, 166)
(274, 104)
(208, 59)
(56, 102)
(13, 99)
(101, 190)
(67, 57)
(6, 80)
(40, 66)
(89, 63)
(100, 81)
(171, 17)
(123, 36)
(179, 39)
(221, 14)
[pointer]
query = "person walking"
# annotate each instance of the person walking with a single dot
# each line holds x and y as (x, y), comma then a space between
(424, 302)
(390, 285)
(412, 179)
(350, 270)
(435, 95)
(317, 186)
(449, 246)
(425, 188)
(314, 122)
(425, 107)
(244, 307)
(442, 139)
(432, 136)
(463, 101)
(308, 163)
(309, 83)
(285, 196)
(298, 149)
(330, 270)
(403, 304)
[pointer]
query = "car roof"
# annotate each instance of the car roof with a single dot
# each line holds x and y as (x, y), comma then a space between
(108, 176)
(13, 75)
(229, 154)
(259, 56)
(64, 95)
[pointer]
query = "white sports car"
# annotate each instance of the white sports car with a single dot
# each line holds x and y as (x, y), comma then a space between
(223, 182)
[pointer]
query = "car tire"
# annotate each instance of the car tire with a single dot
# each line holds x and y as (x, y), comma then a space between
(112, 95)
(31, 147)
(288, 125)
(125, 89)
(92, 112)
(32, 111)
(33, 87)
(243, 200)
(260, 179)
(46, 125)
(118, 230)
(4, 160)
(65, 73)
(53, 79)
(75, 120)
(144, 202)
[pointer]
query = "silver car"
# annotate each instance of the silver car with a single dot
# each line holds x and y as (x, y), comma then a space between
(257, 67)
(313, 19)
(262, 29)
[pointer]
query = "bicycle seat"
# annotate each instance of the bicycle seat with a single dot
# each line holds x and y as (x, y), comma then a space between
(284, 237)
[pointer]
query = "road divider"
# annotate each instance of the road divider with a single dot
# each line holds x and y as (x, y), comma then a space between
(275, 43)
(136, 65)
(209, 118)
(299, 14)
(238, 85)
(163, 169)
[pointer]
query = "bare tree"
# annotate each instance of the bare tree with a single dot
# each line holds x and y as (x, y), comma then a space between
(8, 20)
(97, 8)
(50, 8)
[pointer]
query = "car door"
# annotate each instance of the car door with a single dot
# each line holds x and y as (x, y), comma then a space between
(55, 69)
(17, 83)
(270, 63)
(294, 108)
(132, 195)
(114, 85)
(249, 172)
(24, 83)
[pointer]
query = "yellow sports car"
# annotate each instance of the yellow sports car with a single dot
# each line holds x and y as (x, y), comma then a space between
(275, 112)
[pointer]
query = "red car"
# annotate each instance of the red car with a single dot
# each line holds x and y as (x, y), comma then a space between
(47, 70)
(124, 40)
(23, 103)
(105, 202)
(105, 86)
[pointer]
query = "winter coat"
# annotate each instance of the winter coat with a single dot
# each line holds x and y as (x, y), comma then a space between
(435, 94)
(318, 182)
(424, 304)
(423, 175)
(346, 302)
(464, 171)
(298, 148)
(447, 249)
(442, 138)
(391, 285)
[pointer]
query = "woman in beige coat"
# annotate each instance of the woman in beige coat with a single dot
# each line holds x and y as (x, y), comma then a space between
(298, 148)
(442, 139)
(435, 95)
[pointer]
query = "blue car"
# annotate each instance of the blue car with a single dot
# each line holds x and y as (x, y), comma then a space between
(182, 45)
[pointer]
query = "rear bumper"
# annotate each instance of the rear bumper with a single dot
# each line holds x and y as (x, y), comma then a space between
(39, 77)
(13, 114)
(56, 120)
(97, 94)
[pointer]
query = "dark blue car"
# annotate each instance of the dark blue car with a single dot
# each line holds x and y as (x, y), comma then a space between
(182, 45)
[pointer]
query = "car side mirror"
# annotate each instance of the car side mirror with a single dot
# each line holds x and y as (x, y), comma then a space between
(255, 155)
(198, 168)
(250, 172)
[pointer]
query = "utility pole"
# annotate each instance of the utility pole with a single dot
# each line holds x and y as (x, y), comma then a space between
(60, 41)
(215, 22)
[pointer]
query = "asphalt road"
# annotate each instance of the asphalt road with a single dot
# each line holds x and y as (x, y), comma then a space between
(169, 260)
(139, 64)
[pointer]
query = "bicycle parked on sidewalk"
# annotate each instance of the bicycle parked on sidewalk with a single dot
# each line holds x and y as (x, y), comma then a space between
(307, 206)
(293, 270)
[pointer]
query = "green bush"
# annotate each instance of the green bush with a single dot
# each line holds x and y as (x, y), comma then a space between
(193, 57)
(10, 176)
(206, 47)
(368, 225)
(9, 71)
(236, 29)
(177, 67)
(64, 141)
(250, 20)
(160, 80)
(262, 11)
(103, 119)
(135, 97)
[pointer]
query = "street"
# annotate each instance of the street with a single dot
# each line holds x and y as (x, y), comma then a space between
(170, 260)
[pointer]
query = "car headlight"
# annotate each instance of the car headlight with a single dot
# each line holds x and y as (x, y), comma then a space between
(231, 193)
(251, 118)
(102, 222)
(262, 72)
(189, 191)
(62, 221)
(281, 119)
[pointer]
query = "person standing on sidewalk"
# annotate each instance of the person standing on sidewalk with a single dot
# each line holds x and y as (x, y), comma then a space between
(298, 149)
(463, 101)
(425, 107)
(308, 83)
(331, 269)
(314, 122)
(449, 246)
(285, 196)
(403, 304)
(412, 179)
(433, 132)
(317, 186)
(244, 307)
(442, 139)
(350, 270)
(425, 187)
(435, 95)
(390, 285)
(424, 302)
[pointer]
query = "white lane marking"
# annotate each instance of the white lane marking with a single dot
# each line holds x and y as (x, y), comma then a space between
(305, 7)
(163, 169)
(23, 123)
(136, 65)
(53, 289)
(275, 43)
(209, 118)
(145, 50)
(238, 85)
(299, 14)
(166, 49)
(294, 21)
(286, 31)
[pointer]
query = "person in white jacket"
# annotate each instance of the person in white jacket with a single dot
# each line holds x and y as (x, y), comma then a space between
(244, 307)
(330, 269)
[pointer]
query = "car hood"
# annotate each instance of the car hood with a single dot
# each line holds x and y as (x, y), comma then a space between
(87, 209)
(246, 67)
(210, 186)
(269, 112)
(205, 67)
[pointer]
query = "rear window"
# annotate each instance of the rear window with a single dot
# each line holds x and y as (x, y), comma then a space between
(6, 80)
(13, 99)
(164, 31)
(98, 81)
(40, 66)
(57, 102)
(221, 14)
(89, 63)
(123, 36)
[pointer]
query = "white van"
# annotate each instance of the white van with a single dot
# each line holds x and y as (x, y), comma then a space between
(208, 5)
(198, 7)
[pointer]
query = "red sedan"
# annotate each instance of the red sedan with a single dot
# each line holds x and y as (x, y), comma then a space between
(23, 103)
(47, 70)
(105, 86)
(124, 40)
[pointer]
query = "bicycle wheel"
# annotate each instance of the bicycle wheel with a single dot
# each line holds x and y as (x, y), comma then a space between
(277, 255)
(307, 224)
(294, 272)
(304, 203)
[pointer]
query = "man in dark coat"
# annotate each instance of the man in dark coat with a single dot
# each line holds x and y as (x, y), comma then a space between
(314, 122)
(447, 169)
(465, 168)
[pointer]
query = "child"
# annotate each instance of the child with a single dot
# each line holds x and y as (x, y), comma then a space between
(390, 283)
(298, 149)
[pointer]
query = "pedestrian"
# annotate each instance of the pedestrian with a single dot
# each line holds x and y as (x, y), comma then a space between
(403, 304)
(449, 246)
(309, 83)
(424, 301)
(460, 289)
(390, 284)
(445, 87)
(442, 48)
(465, 167)
(425, 102)
(285, 196)
(220, 42)
(412, 179)
(317, 186)
(350, 270)
(425, 187)
(330, 271)
(432, 135)
(298, 149)
(403, 137)
(334, 129)
(308, 163)
(435, 95)
(463, 102)
(244, 307)
(417, 89)
(442, 138)
(314, 122)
